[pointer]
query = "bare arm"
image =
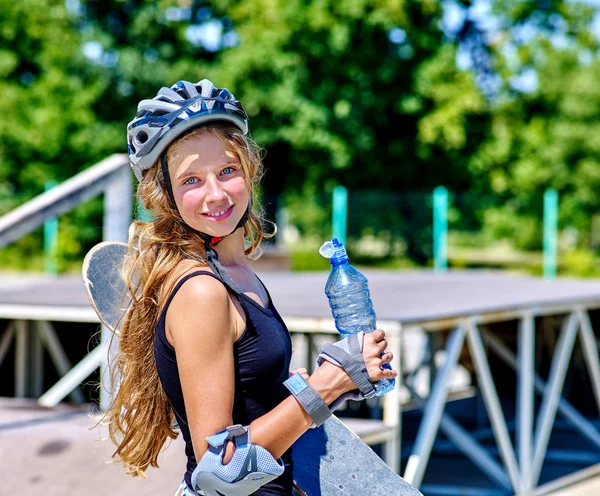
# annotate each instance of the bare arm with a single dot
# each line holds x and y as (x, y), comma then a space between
(278, 429)
(201, 327)
(202, 324)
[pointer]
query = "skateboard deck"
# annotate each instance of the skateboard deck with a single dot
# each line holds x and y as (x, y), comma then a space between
(330, 460)
(103, 283)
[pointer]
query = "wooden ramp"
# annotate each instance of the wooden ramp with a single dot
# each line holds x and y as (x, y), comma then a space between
(56, 452)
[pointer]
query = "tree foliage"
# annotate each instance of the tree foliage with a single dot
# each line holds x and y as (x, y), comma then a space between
(369, 94)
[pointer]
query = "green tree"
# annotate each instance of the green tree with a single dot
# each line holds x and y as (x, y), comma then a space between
(49, 92)
(360, 93)
(50, 129)
(363, 93)
(544, 117)
(549, 138)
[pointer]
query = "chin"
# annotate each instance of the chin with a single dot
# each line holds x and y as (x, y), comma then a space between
(217, 233)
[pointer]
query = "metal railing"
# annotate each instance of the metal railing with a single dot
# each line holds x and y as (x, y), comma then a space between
(111, 177)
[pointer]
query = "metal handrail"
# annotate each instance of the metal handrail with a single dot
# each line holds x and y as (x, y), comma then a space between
(111, 176)
(87, 184)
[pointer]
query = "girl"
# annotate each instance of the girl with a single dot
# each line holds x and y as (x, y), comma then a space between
(202, 343)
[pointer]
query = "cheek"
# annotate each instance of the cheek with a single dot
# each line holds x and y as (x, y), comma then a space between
(189, 200)
(239, 187)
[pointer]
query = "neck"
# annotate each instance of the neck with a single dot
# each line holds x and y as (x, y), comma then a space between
(231, 250)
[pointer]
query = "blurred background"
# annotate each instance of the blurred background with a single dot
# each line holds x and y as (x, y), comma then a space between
(495, 100)
(432, 133)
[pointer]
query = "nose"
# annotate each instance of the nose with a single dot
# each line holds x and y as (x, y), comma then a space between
(214, 190)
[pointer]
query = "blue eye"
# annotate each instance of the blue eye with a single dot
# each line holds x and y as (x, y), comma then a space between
(191, 180)
(227, 170)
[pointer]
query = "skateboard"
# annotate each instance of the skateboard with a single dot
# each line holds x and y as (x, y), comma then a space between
(330, 460)
(103, 283)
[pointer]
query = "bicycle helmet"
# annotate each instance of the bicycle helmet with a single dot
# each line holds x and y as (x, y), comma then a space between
(173, 111)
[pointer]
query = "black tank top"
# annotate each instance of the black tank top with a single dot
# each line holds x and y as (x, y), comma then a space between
(262, 361)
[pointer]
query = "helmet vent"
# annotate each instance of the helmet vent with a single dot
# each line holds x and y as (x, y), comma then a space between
(181, 92)
(161, 120)
(142, 136)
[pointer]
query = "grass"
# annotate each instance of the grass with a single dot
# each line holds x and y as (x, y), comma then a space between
(307, 260)
(572, 263)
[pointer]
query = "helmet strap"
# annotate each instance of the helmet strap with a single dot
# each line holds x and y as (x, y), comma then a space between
(212, 258)
(167, 178)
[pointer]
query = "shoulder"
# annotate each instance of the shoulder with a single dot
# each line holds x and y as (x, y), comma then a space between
(200, 290)
(200, 309)
(193, 289)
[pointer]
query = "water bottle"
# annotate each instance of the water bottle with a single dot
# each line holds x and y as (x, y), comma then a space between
(348, 293)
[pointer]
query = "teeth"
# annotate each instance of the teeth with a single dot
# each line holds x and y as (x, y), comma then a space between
(218, 214)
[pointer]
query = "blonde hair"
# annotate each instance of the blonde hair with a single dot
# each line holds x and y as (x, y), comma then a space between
(140, 418)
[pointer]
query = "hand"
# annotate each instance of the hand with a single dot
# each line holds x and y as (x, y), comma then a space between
(302, 371)
(332, 381)
(375, 355)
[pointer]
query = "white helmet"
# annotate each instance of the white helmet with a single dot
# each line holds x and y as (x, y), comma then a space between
(173, 111)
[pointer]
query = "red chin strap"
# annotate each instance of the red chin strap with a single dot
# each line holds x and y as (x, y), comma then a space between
(214, 241)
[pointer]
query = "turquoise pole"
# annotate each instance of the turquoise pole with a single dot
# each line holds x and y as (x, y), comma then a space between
(340, 213)
(142, 214)
(550, 232)
(50, 239)
(440, 229)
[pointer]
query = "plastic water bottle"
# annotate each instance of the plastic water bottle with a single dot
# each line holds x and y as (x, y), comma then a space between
(349, 298)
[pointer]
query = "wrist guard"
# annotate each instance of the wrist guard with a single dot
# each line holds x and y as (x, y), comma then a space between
(308, 398)
(347, 354)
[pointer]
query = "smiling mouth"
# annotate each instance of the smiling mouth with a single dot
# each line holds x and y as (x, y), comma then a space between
(218, 214)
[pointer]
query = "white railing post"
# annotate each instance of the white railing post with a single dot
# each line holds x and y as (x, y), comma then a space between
(117, 206)
(433, 411)
(392, 414)
(117, 217)
(21, 351)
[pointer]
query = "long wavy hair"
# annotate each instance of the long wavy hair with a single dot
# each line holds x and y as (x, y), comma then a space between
(140, 417)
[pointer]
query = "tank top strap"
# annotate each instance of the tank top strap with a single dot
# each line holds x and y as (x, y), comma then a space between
(264, 287)
(178, 287)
